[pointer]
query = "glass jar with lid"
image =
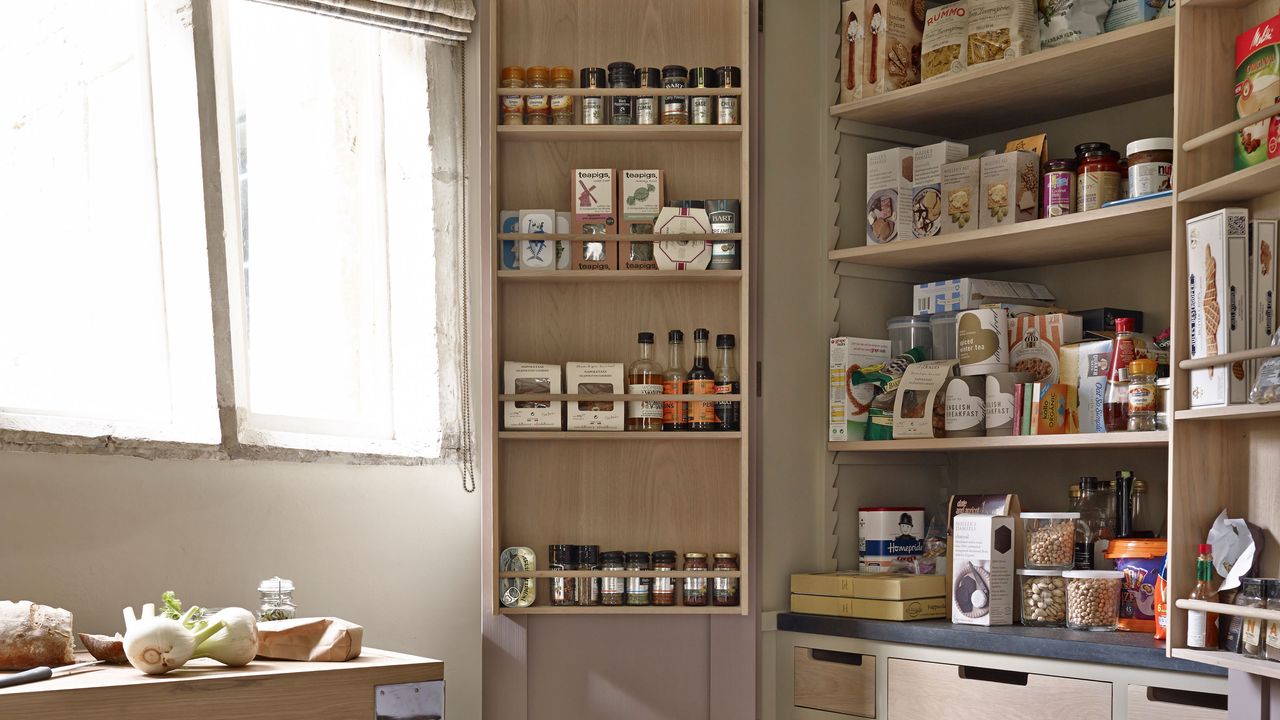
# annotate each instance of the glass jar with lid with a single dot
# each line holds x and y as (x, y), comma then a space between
(1271, 649)
(1097, 176)
(562, 105)
(664, 588)
(513, 105)
(638, 588)
(622, 108)
(724, 589)
(537, 108)
(613, 590)
(695, 588)
(275, 596)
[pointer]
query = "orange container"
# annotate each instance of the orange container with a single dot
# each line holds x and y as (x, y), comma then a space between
(1140, 560)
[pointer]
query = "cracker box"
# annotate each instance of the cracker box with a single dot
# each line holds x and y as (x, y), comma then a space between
(852, 36)
(537, 254)
(869, 586)
(919, 410)
(926, 185)
(895, 31)
(1217, 249)
(595, 379)
(1055, 409)
(1257, 86)
(961, 181)
(969, 293)
(889, 179)
(848, 403)
(595, 202)
(1010, 189)
(532, 379)
(1262, 288)
(902, 610)
(982, 569)
(1034, 341)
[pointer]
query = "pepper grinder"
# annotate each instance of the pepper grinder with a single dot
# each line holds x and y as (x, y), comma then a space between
(1124, 503)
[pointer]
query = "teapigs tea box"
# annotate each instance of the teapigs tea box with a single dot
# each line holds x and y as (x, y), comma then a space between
(595, 212)
(641, 200)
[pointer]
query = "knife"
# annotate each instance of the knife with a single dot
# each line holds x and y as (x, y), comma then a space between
(42, 673)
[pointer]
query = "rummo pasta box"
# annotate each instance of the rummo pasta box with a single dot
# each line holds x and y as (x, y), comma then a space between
(1217, 249)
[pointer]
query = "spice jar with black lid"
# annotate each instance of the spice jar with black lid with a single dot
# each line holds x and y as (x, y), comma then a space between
(701, 107)
(592, 105)
(638, 588)
(664, 588)
(647, 109)
(563, 589)
(613, 590)
(727, 105)
(588, 588)
(724, 590)
(622, 108)
(695, 588)
(675, 108)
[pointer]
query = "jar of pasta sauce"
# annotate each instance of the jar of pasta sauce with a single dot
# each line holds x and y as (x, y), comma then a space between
(695, 588)
(1150, 166)
(724, 589)
(1058, 194)
(1097, 176)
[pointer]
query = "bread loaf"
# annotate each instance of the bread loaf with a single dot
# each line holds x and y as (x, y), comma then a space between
(33, 635)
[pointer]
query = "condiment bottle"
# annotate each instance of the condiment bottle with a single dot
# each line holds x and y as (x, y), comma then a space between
(675, 108)
(647, 109)
(674, 412)
(701, 107)
(702, 381)
(1097, 176)
(1124, 503)
(562, 105)
(564, 590)
(537, 108)
(513, 105)
(664, 588)
(588, 588)
(613, 590)
(1271, 644)
(1115, 408)
(1252, 633)
(1202, 626)
(622, 108)
(727, 110)
(644, 377)
(724, 589)
(1142, 394)
(728, 412)
(695, 588)
(1059, 188)
(638, 587)
(592, 105)
(275, 597)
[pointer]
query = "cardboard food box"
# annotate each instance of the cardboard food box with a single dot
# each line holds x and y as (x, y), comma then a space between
(895, 30)
(1262, 288)
(1257, 86)
(869, 586)
(532, 379)
(978, 504)
(982, 570)
(683, 254)
(1055, 410)
(1105, 318)
(1010, 189)
(509, 224)
(961, 181)
(1001, 30)
(1034, 341)
(970, 293)
(595, 379)
(902, 610)
(926, 185)
(1217, 249)
(944, 44)
(852, 53)
(595, 201)
(1001, 403)
(1124, 13)
(1087, 364)
(537, 254)
(641, 200)
(848, 404)
(564, 248)
(919, 410)
(889, 178)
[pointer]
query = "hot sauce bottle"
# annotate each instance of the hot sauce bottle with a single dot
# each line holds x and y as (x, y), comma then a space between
(674, 412)
(702, 381)
(1115, 409)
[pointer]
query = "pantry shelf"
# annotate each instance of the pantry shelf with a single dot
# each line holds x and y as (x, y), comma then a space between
(582, 237)
(619, 133)
(621, 610)
(1139, 227)
(1076, 441)
(622, 573)
(1229, 609)
(1111, 69)
(618, 436)
(1239, 186)
(1230, 661)
(567, 397)
(620, 276)
(1229, 412)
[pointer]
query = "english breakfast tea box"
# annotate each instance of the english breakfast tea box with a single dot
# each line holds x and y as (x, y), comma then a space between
(982, 565)
(595, 206)
(1257, 86)
(926, 185)
(595, 379)
(889, 178)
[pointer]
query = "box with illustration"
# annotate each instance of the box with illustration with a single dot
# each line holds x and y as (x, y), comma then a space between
(531, 380)
(584, 378)
(920, 408)
(1217, 248)
(1010, 189)
(848, 403)
(640, 200)
(889, 179)
(926, 185)
(961, 181)
(983, 560)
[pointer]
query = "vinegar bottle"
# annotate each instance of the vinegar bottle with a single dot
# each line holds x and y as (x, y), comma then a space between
(728, 412)
(673, 412)
(1115, 409)
(644, 377)
(702, 381)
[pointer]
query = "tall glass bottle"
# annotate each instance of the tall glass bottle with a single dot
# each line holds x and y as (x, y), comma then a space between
(674, 412)
(728, 412)
(1115, 409)
(1202, 627)
(702, 381)
(644, 377)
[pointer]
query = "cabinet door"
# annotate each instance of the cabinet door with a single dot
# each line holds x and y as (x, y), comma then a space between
(1152, 703)
(960, 692)
(838, 682)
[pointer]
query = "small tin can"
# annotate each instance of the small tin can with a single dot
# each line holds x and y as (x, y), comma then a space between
(728, 105)
(647, 109)
(622, 108)
(723, 216)
(675, 108)
(890, 539)
(701, 110)
(517, 592)
(592, 105)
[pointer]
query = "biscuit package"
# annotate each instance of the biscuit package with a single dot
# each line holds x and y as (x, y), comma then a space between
(926, 185)
(895, 29)
(920, 408)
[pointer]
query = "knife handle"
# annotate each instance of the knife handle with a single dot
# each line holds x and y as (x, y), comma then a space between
(26, 676)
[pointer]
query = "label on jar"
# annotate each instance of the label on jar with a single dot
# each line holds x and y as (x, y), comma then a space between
(1196, 624)
(1273, 636)
(728, 110)
(1149, 177)
(646, 111)
(645, 409)
(1059, 193)
(1252, 633)
(561, 102)
(1142, 398)
(723, 221)
(611, 586)
(592, 111)
(622, 109)
(512, 104)
(701, 110)
(537, 103)
(673, 413)
(701, 412)
(663, 586)
(1097, 188)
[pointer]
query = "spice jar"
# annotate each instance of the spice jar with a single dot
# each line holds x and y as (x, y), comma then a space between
(647, 109)
(675, 108)
(564, 589)
(724, 590)
(1044, 598)
(513, 105)
(1142, 395)
(664, 588)
(275, 597)
(622, 108)
(1097, 176)
(592, 105)
(727, 107)
(588, 588)
(613, 590)
(1253, 594)
(1051, 539)
(638, 587)
(701, 107)
(1271, 645)
(562, 105)
(1093, 599)
(1058, 189)
(537, 108)
(1150, 165)
(695, 588)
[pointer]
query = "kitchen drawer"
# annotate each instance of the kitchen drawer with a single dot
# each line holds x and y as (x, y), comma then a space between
(958, 692)
(1152, 703)
(838, 682)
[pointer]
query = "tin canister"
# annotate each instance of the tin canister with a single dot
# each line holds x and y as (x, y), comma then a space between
(890, 539)
(724, 218)
(517, 592)
(966, 403)
(982, 340)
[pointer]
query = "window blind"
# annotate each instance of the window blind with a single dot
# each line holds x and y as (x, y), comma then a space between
(445, 21)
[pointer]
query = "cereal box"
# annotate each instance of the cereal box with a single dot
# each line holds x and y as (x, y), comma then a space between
(1034, 342)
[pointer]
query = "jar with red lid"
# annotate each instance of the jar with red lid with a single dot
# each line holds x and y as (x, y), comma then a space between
(1097, 176)
(1058, 193)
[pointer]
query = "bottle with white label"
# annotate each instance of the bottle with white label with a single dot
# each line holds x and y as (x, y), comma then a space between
(644, 377)
(1202, 627)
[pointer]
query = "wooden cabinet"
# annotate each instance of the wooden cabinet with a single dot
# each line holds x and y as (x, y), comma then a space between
(835, 681)
(959, 692)
(1155, 703)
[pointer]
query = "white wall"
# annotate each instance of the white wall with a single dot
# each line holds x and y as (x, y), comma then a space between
(396, 549)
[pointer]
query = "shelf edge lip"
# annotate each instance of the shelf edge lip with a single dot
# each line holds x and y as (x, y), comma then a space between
(1155, 438)
(1237, 412)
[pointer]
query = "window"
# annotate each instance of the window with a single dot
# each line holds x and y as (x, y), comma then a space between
(332, 273)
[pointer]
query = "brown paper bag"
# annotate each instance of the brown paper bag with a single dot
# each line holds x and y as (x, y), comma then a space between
(324, 639)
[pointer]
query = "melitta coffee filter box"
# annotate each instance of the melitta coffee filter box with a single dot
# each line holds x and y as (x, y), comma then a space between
(889, 179)
(1257, 86)
(982, 569)
(595, 205)
(532, 380)
(890, 539)
(849, 403)
(1217, 249)
(595, 379)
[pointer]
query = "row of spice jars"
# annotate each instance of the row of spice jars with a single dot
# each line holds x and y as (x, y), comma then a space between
(1078, 599)
(1098, 175)
(622, 109)
(638, 591)
(1257, 638)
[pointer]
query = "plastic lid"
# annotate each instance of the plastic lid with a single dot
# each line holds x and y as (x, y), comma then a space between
(537, 71)
(911, 320)
(1149, 144)
(1083, 148)
(276, 585)
(514, 72)
(695, 555)
(1061, 164)
(560, 72)
(1092, 574)
(1136, 548)
(724, 556)
(943, 317)
(675, 336)
(1124, 324)
(1040, 573)
(646, 337)
(1204, 548)
(701, 334)
(724, 341)
(1142, 366)
(1050, 516)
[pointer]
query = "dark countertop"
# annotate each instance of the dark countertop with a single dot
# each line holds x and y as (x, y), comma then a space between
(1111, 648)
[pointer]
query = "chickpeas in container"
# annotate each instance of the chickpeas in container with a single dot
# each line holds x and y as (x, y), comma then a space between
(1050, 540)
(1093, 599)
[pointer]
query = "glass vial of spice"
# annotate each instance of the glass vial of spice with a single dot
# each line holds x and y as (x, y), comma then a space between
(727, 106)
(664, 588)
(513, 105)
(592, 105)
(1097, 176)
(537, 108)
(638, 587)
(622, 108)
(1252, 630)
(695, 588)
(1271, 644)
(562, 105)
(647, 109)
(564, 590)
(701, 107)
(613, 590)
(675, 108)
(587, 589)
(275, 597)
(1059, 188)
(724, 590)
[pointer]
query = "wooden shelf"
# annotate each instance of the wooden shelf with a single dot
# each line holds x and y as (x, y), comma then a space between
(616, 92)
(1230, 412)
(622, 610)
(1112, 69)
(619, 133)
(623, 574)
(1230, 661)
(1140, 227)
(570, 397)
(1238, 187)
(579, 237)
(617, 436)
(621, 276)
(1078, 441)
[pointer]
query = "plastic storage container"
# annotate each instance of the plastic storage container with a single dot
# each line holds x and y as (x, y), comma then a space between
(1050, 540)
(1093, 599)
(1139, 561)
(942, 328)
(1044, 598)
(908, 331)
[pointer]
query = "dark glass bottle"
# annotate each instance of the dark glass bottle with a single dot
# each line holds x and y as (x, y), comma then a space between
(702, 381)
(728, 412)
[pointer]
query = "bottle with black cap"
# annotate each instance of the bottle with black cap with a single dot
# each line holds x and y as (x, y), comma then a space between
(702, 381)
(674, 413)
(644, 377)
(728, 414)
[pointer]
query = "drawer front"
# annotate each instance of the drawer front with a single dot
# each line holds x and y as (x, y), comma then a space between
(1152, 703)
(837, 682)
(939, 691)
